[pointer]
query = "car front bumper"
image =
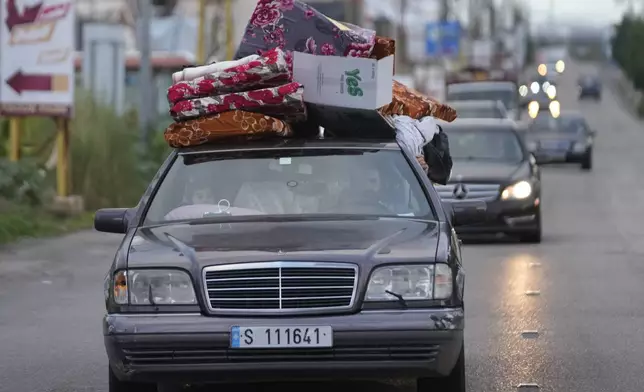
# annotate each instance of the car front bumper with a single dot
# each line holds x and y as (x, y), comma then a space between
(589, 93)
(195, 349)
(509, 217)
(545, 157)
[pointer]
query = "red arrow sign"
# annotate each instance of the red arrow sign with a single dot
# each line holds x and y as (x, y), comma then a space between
(14, 17)
(34, 82)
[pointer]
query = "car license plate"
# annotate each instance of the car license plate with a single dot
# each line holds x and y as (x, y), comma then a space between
(281, 337)
(480, 76)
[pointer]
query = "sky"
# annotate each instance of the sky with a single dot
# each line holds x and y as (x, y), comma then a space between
(591, 12)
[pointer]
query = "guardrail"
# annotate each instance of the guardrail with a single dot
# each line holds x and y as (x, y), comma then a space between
(632, 99)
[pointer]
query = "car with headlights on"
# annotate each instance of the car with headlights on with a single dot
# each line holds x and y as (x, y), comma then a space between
(498, 90)
(492, 164)
(282, 260)
(479, 109)
(566, 138)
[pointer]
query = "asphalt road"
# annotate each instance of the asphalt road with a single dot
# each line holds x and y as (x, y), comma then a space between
(588, 275)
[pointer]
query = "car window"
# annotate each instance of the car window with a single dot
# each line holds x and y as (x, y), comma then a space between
(481, 112)
(287, 182)
(485, 145)
(571, 125)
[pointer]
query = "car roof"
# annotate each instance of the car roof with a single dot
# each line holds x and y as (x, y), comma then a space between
(295, 143)
(481, 86)
(480, 123)
(474, 103)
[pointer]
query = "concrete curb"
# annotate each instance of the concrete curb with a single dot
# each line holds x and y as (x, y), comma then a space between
(623, 88)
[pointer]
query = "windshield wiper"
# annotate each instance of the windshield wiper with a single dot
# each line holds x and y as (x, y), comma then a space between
(401, 299)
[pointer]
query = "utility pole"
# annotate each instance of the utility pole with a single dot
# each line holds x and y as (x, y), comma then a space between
(147, 108)
(401, 53)
(201, 34)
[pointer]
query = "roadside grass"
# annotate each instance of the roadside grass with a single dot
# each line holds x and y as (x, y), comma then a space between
(18, 222)
(108, 168)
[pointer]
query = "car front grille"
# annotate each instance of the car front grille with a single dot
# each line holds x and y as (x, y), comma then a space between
(555, 145)
(485, 192)
(280, 287)
(205, 355)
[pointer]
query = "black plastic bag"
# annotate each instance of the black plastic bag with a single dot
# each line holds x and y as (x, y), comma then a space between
(438, 158)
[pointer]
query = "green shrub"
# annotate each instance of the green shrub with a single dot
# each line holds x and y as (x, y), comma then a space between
(627, 48)
(22, 182)
(19, 221)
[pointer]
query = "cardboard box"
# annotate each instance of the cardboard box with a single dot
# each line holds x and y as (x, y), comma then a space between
(348, 82)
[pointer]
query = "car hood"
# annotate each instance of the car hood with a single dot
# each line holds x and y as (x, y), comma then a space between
(477, 171)
(536, 136)
(371, 241)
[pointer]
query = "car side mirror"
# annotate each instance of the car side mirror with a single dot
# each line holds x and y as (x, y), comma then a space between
(466, 212)
(592, 132)
(111, 220)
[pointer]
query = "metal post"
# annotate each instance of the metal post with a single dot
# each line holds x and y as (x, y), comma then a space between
(147, 108)
(62, 167)
(230, 45)
(201, 38)
(15, 133)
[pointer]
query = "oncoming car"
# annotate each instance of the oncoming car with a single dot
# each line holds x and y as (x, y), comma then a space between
(283, 260)
(566, 138)
(505, 91)
(492, 164)
(479, 109)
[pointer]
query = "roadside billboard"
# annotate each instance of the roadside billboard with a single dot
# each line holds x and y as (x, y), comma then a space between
(37, 42)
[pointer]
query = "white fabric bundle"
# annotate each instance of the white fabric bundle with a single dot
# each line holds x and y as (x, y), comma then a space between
(196, 72)
(414, 134)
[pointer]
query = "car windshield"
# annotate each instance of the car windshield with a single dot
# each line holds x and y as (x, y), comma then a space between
(289, 182)
(480, 112)
(564, 124)
(508, 97)
(485, 145)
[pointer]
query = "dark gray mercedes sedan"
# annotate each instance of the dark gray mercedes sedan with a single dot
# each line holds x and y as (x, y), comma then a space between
(298, 259)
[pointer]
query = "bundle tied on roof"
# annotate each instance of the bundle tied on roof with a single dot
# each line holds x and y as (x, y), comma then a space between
(409, 102)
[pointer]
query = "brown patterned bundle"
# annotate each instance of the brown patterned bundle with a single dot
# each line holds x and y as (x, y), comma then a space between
(226, 125)
(384, 47)
(409, 102)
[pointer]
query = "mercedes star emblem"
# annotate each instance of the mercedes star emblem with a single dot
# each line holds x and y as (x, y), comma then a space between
(460, 191)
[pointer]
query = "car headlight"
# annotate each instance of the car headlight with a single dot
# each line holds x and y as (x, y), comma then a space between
(153, 287)
(579, 147)
(560, 66)
(551, 91)
(411, 282)
(520, 190)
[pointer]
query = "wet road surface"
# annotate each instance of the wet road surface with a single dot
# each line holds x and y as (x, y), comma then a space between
(566, 314)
